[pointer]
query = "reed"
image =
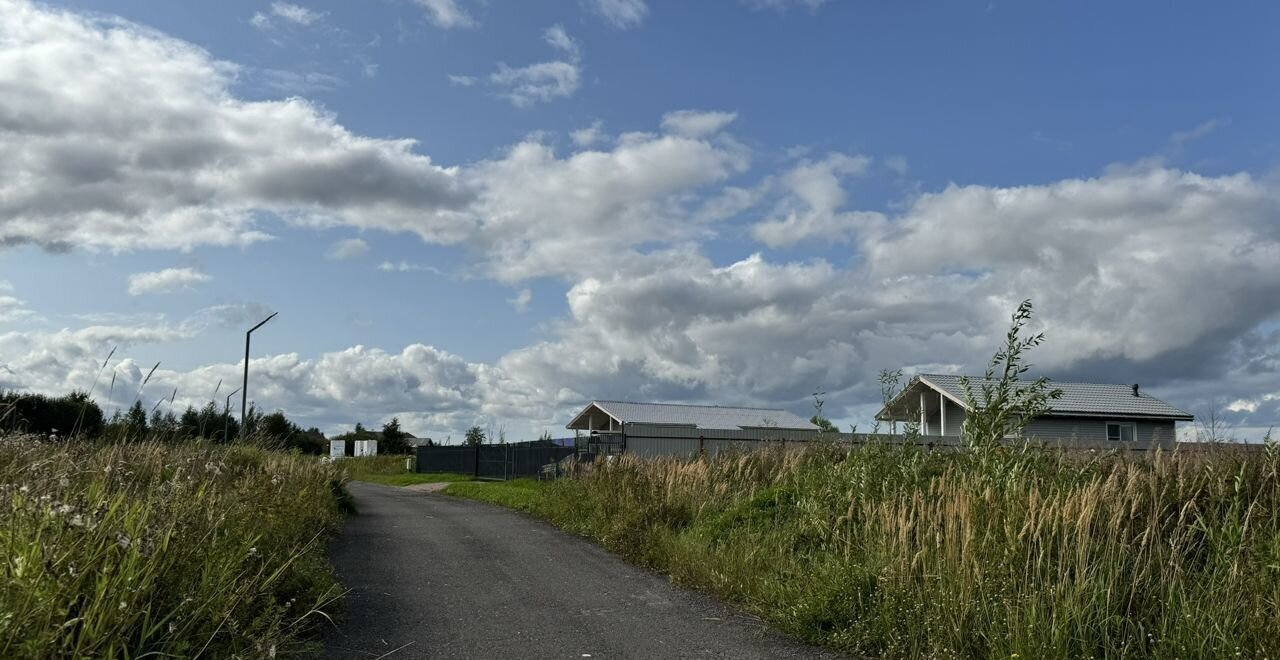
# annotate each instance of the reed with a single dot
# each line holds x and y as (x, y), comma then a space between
(153, 549)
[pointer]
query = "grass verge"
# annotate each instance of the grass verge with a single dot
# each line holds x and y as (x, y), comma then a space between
(390, 471)
(157, 550)
(898, 552)
(521, 494)
(411, 478)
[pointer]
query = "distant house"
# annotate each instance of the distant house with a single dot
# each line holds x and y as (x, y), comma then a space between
(1087, 415)
(653, 429)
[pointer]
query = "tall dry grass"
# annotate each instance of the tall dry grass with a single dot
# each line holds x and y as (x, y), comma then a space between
(904, 553)
(161, 550)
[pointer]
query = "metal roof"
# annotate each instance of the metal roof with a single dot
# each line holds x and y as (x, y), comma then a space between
(1092, 399)
(703, 417)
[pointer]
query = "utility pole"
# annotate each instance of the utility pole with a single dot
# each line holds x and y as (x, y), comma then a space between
(244, 389)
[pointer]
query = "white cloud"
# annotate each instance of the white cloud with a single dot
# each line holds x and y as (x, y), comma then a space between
(13, 309)
(557, 38)
(288, 12)
(295, 83)
(540, 213)
(348, 248)
(897, 165)
(446, 13)
(621, 14)
(407, 267)
(1243, 405)
(521, 300)
(812, 207)
(540, 82)
(295, 13)
(463, 81)
(168, 280)
(1181, 138)
(589, 136)
(784, 5)
(117, 137)
(536, 83)
(697, 123)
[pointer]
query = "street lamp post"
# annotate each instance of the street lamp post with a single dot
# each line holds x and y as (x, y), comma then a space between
(244, 389)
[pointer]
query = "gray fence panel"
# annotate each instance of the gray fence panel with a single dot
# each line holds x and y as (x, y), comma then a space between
(648, 447)
(495, 461)
(447, 459)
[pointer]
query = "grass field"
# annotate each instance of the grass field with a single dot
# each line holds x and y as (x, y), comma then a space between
(163, 550)
(998, 553)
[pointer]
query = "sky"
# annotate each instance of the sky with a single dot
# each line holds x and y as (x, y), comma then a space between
(485, 212)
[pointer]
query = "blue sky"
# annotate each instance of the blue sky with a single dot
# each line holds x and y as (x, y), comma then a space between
(731, 201)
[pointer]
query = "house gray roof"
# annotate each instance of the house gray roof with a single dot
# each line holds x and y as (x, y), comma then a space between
(703, 417)
(1077, 398)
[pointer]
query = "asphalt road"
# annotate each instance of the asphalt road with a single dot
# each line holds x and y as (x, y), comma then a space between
(436, 577)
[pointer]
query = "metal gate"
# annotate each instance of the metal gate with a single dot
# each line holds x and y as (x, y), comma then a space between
(491, 461)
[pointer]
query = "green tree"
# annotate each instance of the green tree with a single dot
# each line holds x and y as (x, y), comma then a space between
(394, 439)
(824, 425)
(475, 436)
(135, 422)
(1003, 405)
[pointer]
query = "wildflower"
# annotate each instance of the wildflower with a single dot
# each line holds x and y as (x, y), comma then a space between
(23, 489)
(253, 551)
(64, 482)
(123, 540)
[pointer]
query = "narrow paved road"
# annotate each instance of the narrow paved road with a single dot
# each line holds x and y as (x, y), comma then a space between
(437, 577)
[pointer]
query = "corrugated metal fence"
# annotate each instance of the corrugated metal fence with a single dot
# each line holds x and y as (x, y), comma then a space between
(490, 461)
(686, 441)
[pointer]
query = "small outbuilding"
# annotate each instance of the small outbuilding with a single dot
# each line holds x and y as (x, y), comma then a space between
(1087, 414)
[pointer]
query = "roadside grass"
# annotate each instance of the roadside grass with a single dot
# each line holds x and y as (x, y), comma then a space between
(901, 552)
(389, 470)
(151, 549)
(411, 478)
(521, 494)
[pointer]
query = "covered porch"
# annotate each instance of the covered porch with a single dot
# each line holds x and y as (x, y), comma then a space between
(937, 412)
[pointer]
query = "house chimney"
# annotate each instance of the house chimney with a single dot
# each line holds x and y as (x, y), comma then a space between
(1135, 389)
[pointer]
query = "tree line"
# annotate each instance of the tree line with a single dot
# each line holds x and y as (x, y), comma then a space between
(77, 415)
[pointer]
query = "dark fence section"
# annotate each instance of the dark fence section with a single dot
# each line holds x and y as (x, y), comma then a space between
(447, 459)
(491, 461)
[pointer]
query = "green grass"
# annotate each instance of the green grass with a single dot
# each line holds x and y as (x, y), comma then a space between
(157, 550)
(905, 553)
(521, 494)
(389, 470)
(411, 478)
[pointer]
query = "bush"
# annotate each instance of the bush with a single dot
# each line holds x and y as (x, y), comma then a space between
(151, 549)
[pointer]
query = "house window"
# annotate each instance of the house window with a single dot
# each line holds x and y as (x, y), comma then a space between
(1120, 431)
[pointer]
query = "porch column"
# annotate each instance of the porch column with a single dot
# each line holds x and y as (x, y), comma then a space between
(942, 407)
(924, 419)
